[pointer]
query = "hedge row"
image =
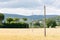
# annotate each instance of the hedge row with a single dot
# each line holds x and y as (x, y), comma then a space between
(15, 25)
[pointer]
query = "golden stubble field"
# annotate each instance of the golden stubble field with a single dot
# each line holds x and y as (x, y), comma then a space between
(29, 34)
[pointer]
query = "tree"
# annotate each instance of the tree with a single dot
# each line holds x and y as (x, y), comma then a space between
(48, 22)
(16, 20)
(9, 20)
(1, 18)
(25, 19)
(37, 24)
(51, 22)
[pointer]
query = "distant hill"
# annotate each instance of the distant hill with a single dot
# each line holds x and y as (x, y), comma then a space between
(35, 17)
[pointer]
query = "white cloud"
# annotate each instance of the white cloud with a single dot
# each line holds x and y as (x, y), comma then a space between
(26, 7)
(21, 11)
(52, 11)
(21, 4)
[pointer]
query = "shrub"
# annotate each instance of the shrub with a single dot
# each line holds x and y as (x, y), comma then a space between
(51, 23)
(15, 25)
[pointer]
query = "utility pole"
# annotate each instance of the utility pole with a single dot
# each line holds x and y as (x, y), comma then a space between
(32, 19)
(44, 20)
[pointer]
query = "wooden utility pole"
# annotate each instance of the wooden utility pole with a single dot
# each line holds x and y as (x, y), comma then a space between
(44, 20)
(32, 19)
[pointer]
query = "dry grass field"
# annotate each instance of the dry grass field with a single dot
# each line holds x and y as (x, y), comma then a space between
(30, 34)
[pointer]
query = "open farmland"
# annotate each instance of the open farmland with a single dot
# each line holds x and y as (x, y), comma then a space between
(30, 34)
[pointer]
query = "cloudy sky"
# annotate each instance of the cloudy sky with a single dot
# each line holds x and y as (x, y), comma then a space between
(27, 7)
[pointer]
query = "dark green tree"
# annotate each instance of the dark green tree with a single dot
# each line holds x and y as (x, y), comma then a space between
(1, 18)
(51, 23)
(16, 20)
(9, 20)
(48, 22)
(25, 19)
(37, 24)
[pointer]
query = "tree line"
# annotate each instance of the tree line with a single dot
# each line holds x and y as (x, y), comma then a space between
(12, 22)
(16, 23)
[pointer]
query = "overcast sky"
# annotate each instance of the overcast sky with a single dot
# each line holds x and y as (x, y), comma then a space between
(27, 7)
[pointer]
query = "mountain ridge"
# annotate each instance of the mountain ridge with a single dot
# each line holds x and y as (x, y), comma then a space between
(34, 17)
